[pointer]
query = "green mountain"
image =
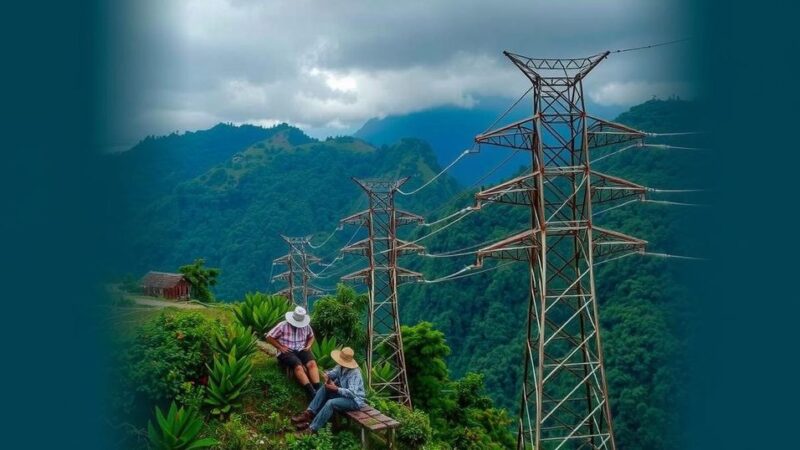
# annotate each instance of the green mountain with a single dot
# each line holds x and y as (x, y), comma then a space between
(233, 212)
(245, 186)
(645, 312)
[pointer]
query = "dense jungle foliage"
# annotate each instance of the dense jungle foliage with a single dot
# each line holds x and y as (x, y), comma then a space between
(231, 211)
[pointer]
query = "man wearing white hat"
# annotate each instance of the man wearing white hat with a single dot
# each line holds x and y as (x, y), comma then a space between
(293, 338)
(344, 391)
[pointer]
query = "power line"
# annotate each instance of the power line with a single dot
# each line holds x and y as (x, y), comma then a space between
(340, 255)
(654, 254)
(682, 133)
(457, 213)
(644, 145)
(643, 47)
(461, 273)
(495, 168)
(467, 190)
(513, 105)
(674, 147)
(335, 230)
(646, 200)
(463, 154)
(449, 224)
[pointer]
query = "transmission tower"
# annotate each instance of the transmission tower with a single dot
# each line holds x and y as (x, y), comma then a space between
(386, 366)
(564, 401)
(298, 273)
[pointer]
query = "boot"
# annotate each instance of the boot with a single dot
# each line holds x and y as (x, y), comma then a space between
(301, 426)
(305, 416)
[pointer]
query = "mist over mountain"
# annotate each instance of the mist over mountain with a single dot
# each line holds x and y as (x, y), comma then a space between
(450, 130)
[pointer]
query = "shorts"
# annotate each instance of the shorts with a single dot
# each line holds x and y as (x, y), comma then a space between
(295, 358)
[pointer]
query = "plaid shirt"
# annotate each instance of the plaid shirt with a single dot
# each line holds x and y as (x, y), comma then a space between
(290, 336)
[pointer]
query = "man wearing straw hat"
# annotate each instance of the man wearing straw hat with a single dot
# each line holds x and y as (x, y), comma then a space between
(344, 391)
(293, 338)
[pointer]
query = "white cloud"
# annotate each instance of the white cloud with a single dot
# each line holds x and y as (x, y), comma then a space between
(332, 68)
(633, 92)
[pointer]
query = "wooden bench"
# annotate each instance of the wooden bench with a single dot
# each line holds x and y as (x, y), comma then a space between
(372, 420)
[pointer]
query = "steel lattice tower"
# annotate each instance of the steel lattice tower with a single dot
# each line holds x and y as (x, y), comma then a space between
(297, 262)
(564, 401)
(382, 247)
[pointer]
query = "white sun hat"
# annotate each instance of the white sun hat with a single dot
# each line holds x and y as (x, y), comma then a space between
(298, 318)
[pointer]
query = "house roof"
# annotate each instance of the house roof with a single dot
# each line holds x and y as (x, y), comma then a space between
(162, 279)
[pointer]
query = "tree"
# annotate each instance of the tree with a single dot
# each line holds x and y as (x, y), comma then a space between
(340, 316)
(201, 279)
(425, 351)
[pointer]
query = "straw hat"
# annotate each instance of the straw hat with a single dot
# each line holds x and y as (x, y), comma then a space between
(344, 358)
(298, 318)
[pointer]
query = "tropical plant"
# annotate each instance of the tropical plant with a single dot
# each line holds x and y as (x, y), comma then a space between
(235, 336)
(261, 312)
(201, 279)
(425, 351)
(415, 426)
(322, 348)
(232, 434)
(167, 352)
(383, 372)
(321, 440)
(339, 316)
(177, 430)
(228, 378)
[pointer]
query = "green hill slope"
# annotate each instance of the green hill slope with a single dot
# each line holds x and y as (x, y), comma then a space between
(234, 212)
(645, 313)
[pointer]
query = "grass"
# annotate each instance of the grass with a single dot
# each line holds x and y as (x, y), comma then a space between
(273, 397)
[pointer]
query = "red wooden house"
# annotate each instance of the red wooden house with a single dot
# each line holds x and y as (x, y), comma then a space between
(167, 285)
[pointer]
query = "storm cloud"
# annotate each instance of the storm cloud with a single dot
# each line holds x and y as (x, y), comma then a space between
(328, 66)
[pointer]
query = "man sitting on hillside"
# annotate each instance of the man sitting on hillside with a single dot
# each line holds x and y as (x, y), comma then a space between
(293, 338)
(344, 391)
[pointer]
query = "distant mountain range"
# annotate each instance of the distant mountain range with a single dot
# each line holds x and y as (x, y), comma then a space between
(450, 130)
(227, 194)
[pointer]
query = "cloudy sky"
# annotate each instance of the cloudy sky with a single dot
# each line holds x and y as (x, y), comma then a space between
(328, 66)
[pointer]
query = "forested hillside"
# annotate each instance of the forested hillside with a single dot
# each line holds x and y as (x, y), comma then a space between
(231, 208)
(233, 213)
(645, 312)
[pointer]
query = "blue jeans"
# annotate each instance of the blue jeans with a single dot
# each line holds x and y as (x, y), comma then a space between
(325, 403)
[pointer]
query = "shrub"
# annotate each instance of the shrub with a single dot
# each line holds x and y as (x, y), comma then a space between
(177, 430)
(233, 435)
(227, 380)
(167, 351)
(276, 423)
(261, 312)
(425, 351)
(383, 372)
(236, 336)
(415, 426)
(321, 440)
(344, 440)
(191, 395)
(339, 317)
(322, 351)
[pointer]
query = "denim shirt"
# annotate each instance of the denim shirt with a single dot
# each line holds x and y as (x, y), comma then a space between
(350, 382)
